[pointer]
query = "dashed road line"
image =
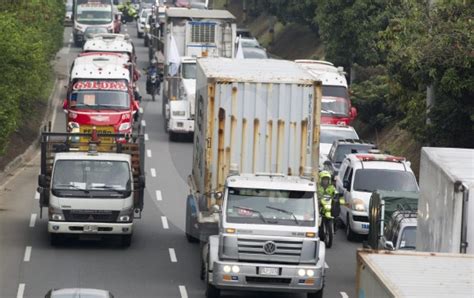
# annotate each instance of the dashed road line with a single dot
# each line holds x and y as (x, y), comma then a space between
(140, 110)
(153, 172)
(146, 137)
(344, 295)
(21, 291)
(143, 123)
(33, 220)
(183, 292)
(27, 256)
(37, 196)
(164, 221)
(148, 152)
(172, 255)
(158, 195)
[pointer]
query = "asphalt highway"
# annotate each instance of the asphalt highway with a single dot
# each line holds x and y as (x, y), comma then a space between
(160, 262)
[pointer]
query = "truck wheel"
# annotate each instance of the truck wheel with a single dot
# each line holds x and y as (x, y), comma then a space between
(350, 235)
(126, 240)
(318, 294)
(172, 136)
(211, 291)
(56, 239)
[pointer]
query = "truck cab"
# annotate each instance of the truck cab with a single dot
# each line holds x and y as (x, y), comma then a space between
(268, 235)
(180, 112)
(96, 191)
(88, 13)
(100, 95)
(336, 104)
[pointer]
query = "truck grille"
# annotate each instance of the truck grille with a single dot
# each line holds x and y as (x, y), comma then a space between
(90, 215)
(280, 251)
(267, 280)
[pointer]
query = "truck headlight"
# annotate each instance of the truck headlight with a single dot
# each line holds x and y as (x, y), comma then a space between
(55, 214)
(358, 205)
(301, 272)
(226, 268)
(124, 126)
(310, 272)
(125, 215)
(235, 269)
(179, 113)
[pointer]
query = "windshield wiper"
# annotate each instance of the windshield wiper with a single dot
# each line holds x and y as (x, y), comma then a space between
(108, 187)
(285, 211)
(252, 210)
(70, 185)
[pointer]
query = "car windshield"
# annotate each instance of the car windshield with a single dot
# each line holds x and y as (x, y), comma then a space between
(343, 150)
(95, 30)
(84, 176)
(262, 206)
(334, 106)
(189, 70)
(95, 99)
(408, 239)
(328, 135)
(94, 17)
(369, 180)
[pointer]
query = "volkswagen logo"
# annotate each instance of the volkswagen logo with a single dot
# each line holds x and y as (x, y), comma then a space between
(269, 247)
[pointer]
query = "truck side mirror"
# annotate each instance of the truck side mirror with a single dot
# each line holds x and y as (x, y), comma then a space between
(215, 208)
(42, 181)
(389, 245)
(218, 195)
(346, 184)
(353, 112)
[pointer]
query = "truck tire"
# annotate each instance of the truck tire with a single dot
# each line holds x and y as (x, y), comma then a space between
(126, 240)
(56, 239)
(350, 235)
(172, 136)
(211, 291)
(318, 294)
(189, 226)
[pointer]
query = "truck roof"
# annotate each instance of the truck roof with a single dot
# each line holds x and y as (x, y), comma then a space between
(255, 70)
(182, 12)
(92, 67)
(269, 181)
(417, 274)
(109, 43)
(324, 71)
(456, 163)
(99, 156)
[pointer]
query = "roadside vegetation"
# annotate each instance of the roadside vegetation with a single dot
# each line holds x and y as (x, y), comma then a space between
(31, 32)
(393, 51)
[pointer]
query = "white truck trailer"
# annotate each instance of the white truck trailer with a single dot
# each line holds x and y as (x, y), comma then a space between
(446, 206)
(252, 201)
(390, 274)
(190, 34)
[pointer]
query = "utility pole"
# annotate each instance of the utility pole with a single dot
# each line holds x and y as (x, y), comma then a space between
(430, 90)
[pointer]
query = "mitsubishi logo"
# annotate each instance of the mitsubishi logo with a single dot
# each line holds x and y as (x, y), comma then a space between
(90, 217)
(269, 247)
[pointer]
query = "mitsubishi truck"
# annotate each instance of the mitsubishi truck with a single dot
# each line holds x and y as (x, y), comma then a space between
(252, 201)
(91, 13)
(100, 95)
(336, 106)
(94, 188)
(190, 34)
(446, 208)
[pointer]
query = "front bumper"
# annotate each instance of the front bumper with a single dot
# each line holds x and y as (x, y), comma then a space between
(102, 228)
(181, 126)
(360, 227)
(249, 279)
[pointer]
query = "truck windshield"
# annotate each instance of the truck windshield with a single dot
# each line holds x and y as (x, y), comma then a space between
(369, 180)
(189, 70)
(94, 16)
(408, 239)
(328, 135)
(264, 206)
(95, 99)
(343, 150)
(91, 178)
(335, 101)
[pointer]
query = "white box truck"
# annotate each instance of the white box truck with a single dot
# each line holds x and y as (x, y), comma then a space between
(390, 274)
(446, 206)
(252, 201)
(190, 34)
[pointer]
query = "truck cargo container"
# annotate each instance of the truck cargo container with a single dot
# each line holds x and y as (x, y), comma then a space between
(446, 207)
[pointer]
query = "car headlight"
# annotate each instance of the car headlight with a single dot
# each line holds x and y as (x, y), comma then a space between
(124, 126)
(179, 113)
(358, 205)
(55, 214)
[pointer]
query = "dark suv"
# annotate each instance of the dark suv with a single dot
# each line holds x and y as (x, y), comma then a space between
(341, 148)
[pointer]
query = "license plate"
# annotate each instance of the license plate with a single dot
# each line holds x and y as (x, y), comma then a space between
(90, 229)
(365, 226)
(99, 129)
(180, 124)
(269, 271)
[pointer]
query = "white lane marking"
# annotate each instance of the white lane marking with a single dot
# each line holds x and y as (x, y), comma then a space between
(158, 195)
(183, 292)
(140, 110)
(146, 137)
(173, 255)
(143, 123)
(344, 295)
(164, 221)
(326, 265)
(33, 220)
(153, 172)
(21, 291)
(37, 196)
(148, 152)
(27, 256)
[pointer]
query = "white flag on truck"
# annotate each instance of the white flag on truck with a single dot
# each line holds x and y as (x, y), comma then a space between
(174, 58)
(240, 52)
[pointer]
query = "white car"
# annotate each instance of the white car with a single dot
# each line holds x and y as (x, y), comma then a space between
(331, 133)
(359, 176)
(141, 22)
